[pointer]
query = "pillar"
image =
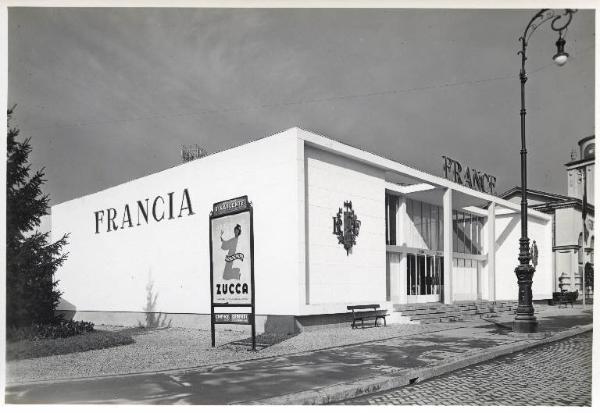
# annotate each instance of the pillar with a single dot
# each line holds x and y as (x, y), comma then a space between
(491, 251)
(448, 253)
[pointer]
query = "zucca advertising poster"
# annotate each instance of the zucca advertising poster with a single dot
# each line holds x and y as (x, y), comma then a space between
(232, 259)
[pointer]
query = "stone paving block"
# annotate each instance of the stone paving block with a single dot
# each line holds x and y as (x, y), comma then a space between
(556, 374)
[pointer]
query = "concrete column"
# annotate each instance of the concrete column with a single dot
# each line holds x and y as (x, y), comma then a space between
(394, 261)
(398, 262)
(400, 225)
(402, 280)
(448, 261)
(491, 251)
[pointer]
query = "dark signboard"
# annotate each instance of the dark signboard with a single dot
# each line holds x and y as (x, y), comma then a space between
(233, 318)
(232, 262)
(230, 206)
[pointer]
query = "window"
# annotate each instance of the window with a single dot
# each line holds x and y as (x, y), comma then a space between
(411, 275)
(466, 233)
(434, 244)
(391, 206)
(426, 224)
(454, 231)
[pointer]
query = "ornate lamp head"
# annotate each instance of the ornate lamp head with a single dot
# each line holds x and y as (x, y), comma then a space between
(560, 58)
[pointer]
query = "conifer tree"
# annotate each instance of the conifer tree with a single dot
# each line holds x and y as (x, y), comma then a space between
(31, 261)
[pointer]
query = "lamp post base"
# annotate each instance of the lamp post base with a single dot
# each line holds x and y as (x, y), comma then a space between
(525, 325)
(525, 321)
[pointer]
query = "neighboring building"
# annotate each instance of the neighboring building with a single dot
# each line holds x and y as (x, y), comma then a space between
(143, 246)
(572, 227)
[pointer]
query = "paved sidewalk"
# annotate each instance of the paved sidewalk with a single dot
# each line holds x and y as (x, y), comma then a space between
(315, 377)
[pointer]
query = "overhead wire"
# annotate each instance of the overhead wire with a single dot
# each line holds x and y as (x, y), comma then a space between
(296, 103)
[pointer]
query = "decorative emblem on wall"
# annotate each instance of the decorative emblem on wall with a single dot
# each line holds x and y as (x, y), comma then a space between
(350, 224)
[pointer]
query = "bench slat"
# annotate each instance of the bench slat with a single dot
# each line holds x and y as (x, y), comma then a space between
(362, 306)
(367, 312)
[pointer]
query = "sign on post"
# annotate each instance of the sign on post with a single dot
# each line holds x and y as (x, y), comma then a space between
(232, 263)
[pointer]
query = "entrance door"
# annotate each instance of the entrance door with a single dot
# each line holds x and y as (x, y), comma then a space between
(424, 277)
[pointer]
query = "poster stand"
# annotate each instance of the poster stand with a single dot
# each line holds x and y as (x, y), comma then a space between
(231, 286)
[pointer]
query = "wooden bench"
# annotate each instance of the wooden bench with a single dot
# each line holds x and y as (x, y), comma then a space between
(365, 312)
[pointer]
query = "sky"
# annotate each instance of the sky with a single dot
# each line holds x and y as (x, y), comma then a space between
(108, 95)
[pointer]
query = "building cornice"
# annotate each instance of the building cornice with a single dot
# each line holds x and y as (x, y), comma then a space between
(517, 190)
(565, 247)
(580, 162)
(560, 202)
(576, 204)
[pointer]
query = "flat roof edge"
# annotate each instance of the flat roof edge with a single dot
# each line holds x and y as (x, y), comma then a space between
(372, 159)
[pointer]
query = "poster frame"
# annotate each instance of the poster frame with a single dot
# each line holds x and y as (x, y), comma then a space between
(215, 214)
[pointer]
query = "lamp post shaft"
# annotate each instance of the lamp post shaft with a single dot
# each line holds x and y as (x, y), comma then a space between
(525, 321)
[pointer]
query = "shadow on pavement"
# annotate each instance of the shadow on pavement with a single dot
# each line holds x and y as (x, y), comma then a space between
(548, 323)
(562, 322)
(263, 341)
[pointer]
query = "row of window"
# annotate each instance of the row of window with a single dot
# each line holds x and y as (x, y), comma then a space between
(467, 229)
(426, 226)
(581, 249)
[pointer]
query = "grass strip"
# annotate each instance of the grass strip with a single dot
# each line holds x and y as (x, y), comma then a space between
(95, 340)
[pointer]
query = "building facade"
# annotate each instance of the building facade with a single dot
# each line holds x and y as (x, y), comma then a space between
(572, 220)
(143, 246)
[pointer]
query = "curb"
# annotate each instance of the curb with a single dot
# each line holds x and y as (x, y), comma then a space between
(374, 384)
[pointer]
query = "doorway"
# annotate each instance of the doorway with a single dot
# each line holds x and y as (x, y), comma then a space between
(424, 277)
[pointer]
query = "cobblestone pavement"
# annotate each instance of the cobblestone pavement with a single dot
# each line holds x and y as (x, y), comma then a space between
(557, 374)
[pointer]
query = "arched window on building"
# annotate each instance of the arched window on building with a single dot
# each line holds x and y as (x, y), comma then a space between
(580, 252)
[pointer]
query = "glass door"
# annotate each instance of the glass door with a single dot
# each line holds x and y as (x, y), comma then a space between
(424, 277)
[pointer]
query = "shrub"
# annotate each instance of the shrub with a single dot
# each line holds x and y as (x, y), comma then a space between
(95, 340)
(59, 329)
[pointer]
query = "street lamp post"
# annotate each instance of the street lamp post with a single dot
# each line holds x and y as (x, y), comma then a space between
(525, 321)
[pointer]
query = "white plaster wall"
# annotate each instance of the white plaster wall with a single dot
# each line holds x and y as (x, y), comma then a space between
(566, 262)
(485, 281)
(508, 232)
(568, 226)
(464, 281)
(397, 277)
(336, 278)
(111, 271)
